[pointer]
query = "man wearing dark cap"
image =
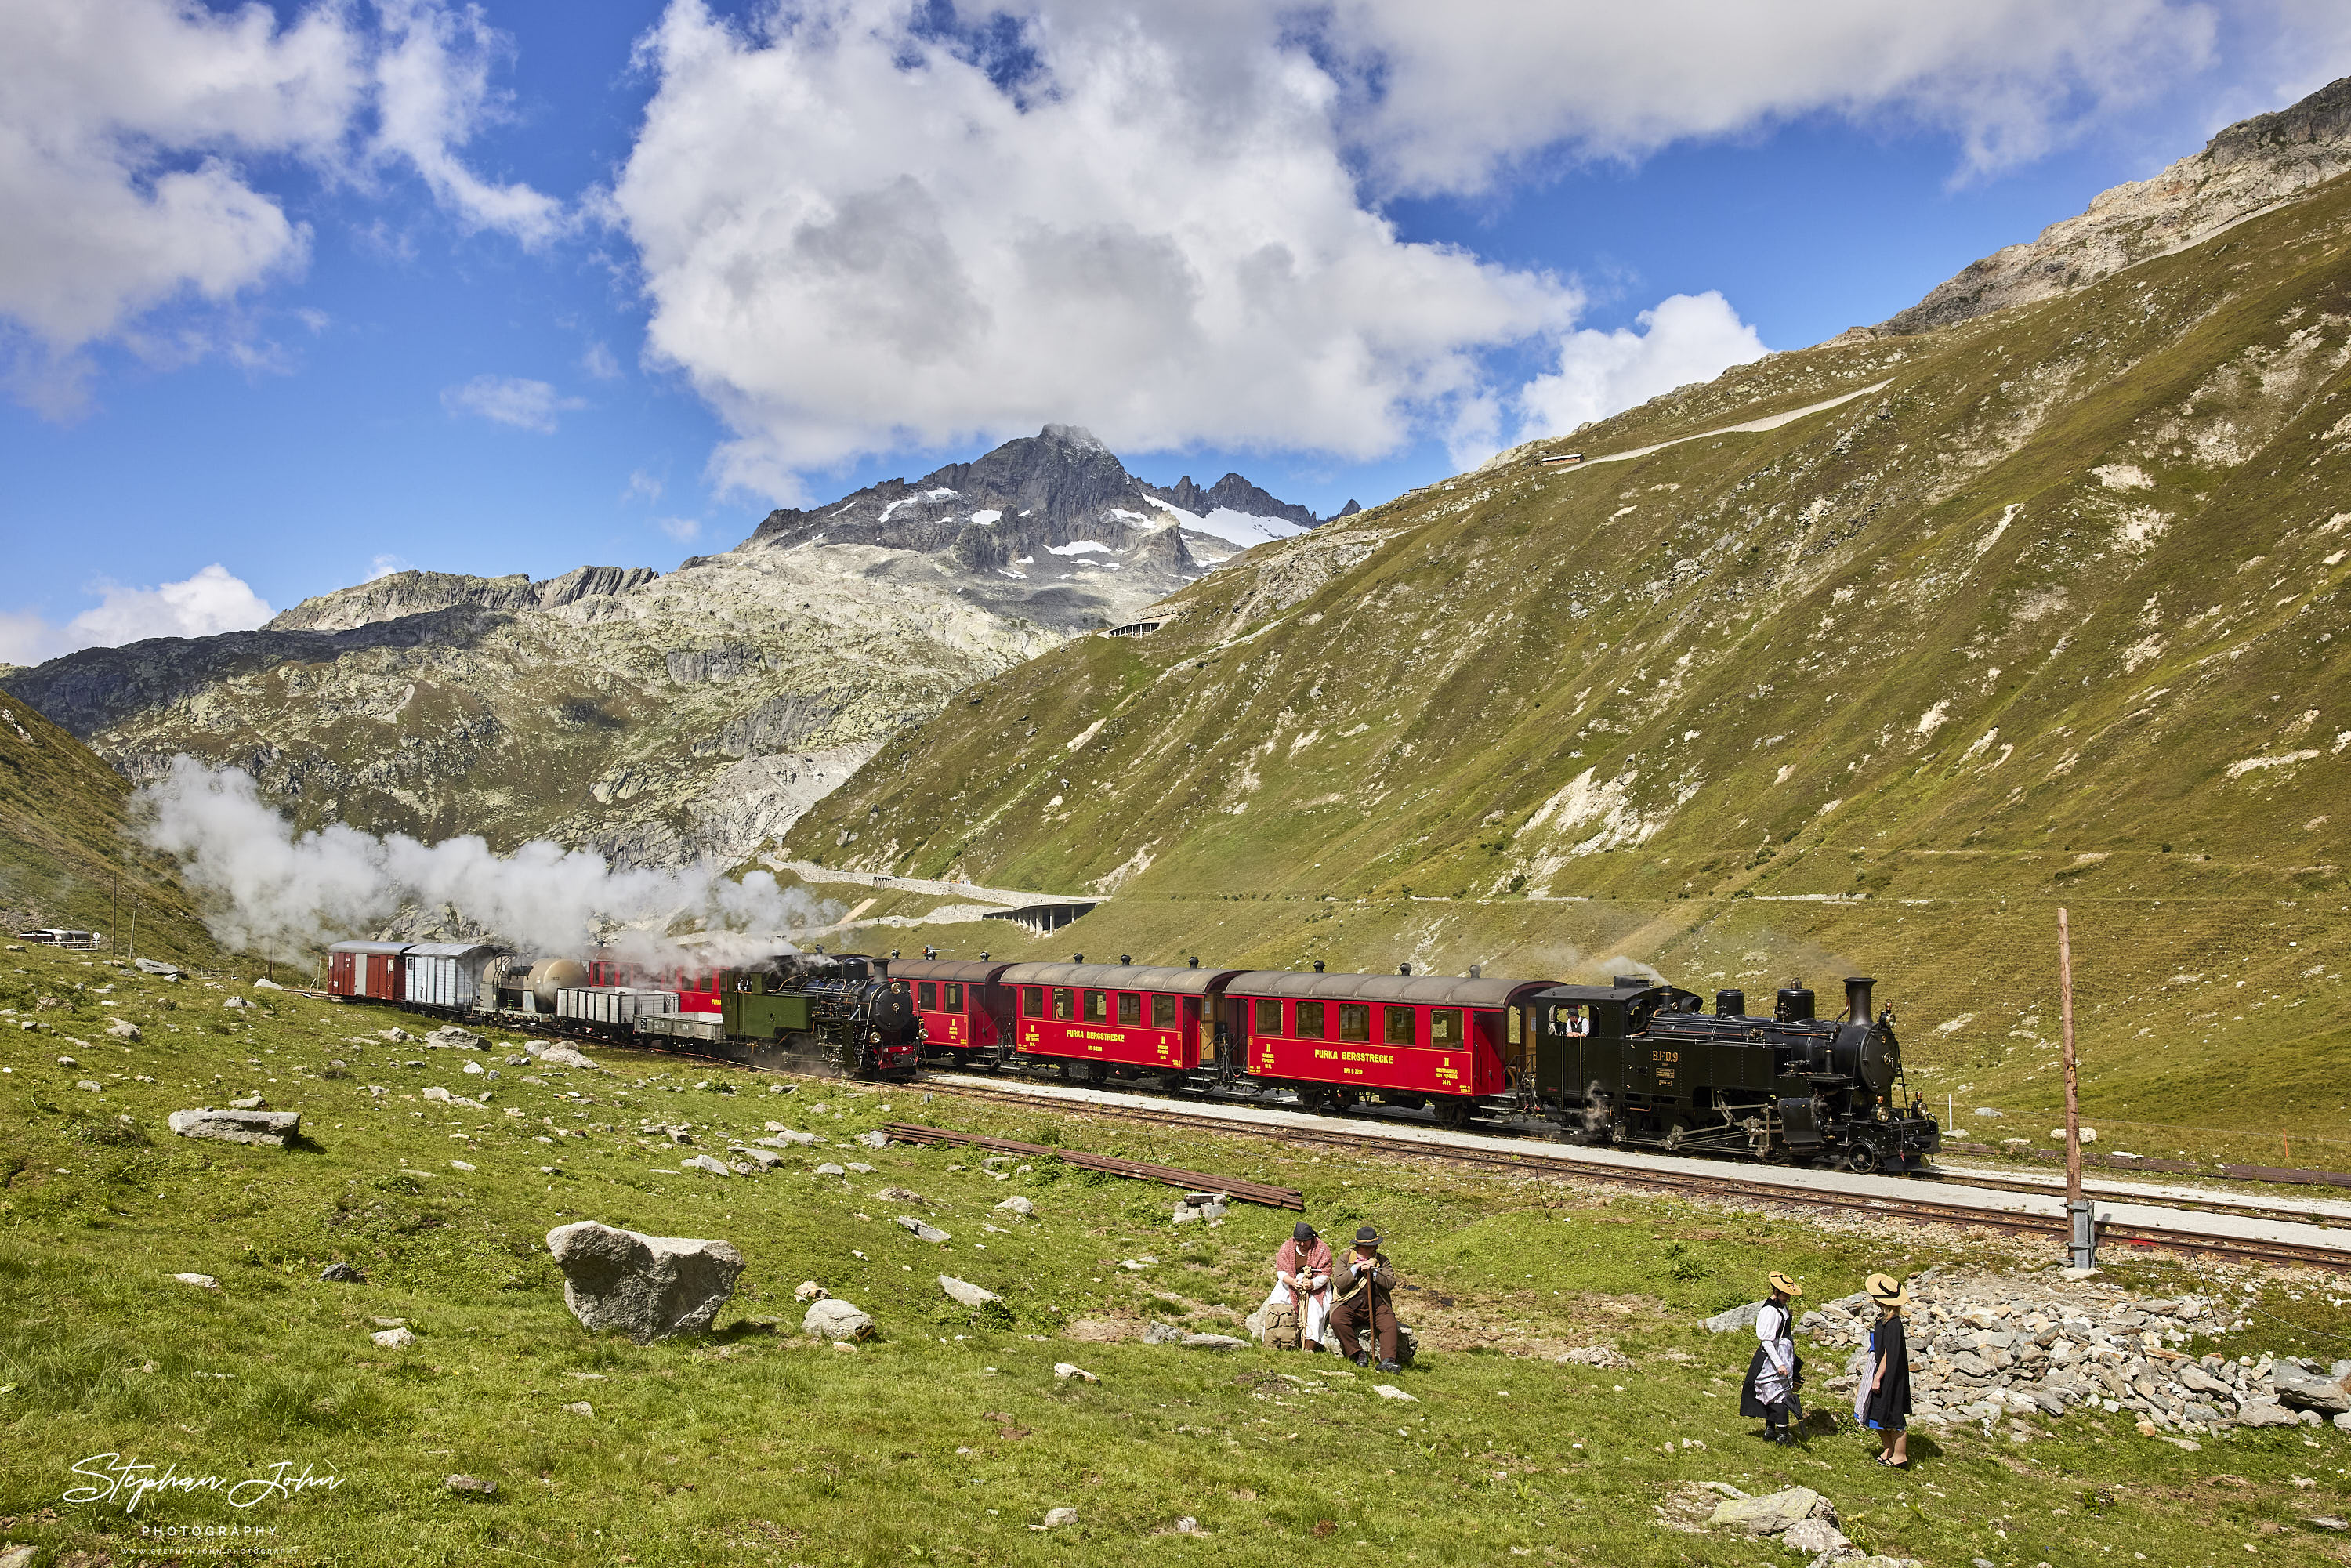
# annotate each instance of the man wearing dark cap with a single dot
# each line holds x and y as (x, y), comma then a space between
(1363, 1283)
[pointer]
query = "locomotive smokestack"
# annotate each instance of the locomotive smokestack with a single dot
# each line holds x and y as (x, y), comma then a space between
(1856, 998)
(1194, 961)
(1318, 966)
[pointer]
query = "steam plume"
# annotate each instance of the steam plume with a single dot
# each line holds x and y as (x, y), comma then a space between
(278, 894)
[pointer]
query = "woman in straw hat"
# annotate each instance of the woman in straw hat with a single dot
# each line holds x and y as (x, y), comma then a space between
(1883, 1404)
(1774, 1372)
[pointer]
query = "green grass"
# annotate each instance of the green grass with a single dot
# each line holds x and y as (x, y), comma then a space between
(947, 1438)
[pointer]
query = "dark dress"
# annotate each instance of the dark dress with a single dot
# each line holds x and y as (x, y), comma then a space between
(1888, 1406)
(1750, 1402)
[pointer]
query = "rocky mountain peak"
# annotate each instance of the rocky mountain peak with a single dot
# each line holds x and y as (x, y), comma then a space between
(401, 593)
(2248, 168)
(1071, 435)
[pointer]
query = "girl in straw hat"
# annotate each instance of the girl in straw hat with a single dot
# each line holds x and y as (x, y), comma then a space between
(1883, 1404)
(1774, 1372)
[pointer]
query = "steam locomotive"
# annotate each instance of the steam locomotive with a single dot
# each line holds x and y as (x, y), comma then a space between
(1632, 1063)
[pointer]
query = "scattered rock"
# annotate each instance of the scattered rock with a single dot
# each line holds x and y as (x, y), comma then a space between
(250, 1103)
(17, 1556)
(238, 1002)
(860, 1169)
(155, 967)
(1161, 1334)
(393, 1339)
(784, 1138)
(1812, 1537)
(266, 984)
(1736, 1319)
(477, 1067)
(809, 1291)
(342, 1274)
(124, 1028)
(468, 1483)
(922, 1232)
(829, 1317)
(1210, 1341)
(561, 1056)
(876, 1139)
(1068, 1372)
(969, 1294)
(1020, 1205)
(2266, 1413)
(449, 1036)
(89, 1086)
(2301, 1390)
(67, 1061)
(274, 1129)
(459, 1165)
(1389, 1391)
(1599, 1356)
(704, 1163)
(1775, 1513)
(901, 1194)
(1187, 1525)
(1057, 1517)
(646, 1287)
(829, 1168)
(580, 1407)
(764, 1159)
(202, 1281)
(395, 1035)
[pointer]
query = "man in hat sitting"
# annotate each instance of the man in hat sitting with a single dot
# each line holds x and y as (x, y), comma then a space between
(1362, 1282)
(1775, 1371)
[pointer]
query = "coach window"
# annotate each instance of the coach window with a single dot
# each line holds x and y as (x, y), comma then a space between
(1097, 1008)
(1164, 1012)
(1309, 1021)
(1444, 1026)
(1032, 1001)
(1129, 1008)
(926, 996)
(1355, 1021)
(1063, 1008)
(1268, 1016)
(954, 990)
(1396, 1026)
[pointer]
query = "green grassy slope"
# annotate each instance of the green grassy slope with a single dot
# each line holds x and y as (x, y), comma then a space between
(947, 1438)
(2057, 616)
(62, 845)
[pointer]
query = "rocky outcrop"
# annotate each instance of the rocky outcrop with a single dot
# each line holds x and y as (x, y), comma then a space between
(2252, 166)
(398, 594)
(272, 1129)
(646, 1286)
(1234, 494)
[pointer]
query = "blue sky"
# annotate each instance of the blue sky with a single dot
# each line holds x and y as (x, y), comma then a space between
(535, 286)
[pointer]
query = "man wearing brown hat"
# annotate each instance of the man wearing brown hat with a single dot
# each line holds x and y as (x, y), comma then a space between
(1362, 1283)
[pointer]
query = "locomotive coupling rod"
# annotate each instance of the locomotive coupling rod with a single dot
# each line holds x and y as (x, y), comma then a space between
(1191, 1181)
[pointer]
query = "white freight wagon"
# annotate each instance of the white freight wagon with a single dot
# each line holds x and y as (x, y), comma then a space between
(619, 1006)
(447, 974)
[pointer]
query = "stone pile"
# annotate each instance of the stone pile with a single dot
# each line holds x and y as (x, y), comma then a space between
(1984, 1348)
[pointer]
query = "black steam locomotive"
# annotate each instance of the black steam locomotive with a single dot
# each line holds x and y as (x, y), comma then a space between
(841, 1014)
(1637, 1063)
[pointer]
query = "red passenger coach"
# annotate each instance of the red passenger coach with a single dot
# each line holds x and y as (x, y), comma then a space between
(963, 1008)
(1439, 1039)
(371, 971)
(1102, 1020)
(697, 990)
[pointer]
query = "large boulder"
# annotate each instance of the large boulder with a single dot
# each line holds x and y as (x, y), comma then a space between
(1772, 1514)
(646, 1287)
(969, 1294)
(449, 1036)
(1736, 1319)
(2301, 1390)
(274, 1128)
(831, 1318)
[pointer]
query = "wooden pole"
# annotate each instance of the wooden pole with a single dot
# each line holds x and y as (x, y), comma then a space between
(2083, 1236)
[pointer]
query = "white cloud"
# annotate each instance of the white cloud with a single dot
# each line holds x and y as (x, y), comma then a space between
(1443, 97)
(432, 92)
(642, 487)
(853, 240)
(385, 565)
(1687, 337)
(510, 400)
(211, 601)
(599, 362)
(685, 530)
(131, 130)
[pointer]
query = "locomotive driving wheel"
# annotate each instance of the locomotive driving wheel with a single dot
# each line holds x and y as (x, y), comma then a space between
(1861, 1158)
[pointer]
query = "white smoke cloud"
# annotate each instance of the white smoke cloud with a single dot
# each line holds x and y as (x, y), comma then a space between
(280, 893)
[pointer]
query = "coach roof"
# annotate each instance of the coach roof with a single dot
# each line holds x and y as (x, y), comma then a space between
(1434, 991)
(975, 970)
(1186, 982)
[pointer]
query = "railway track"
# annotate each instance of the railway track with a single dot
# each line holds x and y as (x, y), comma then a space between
(1728, 1184)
